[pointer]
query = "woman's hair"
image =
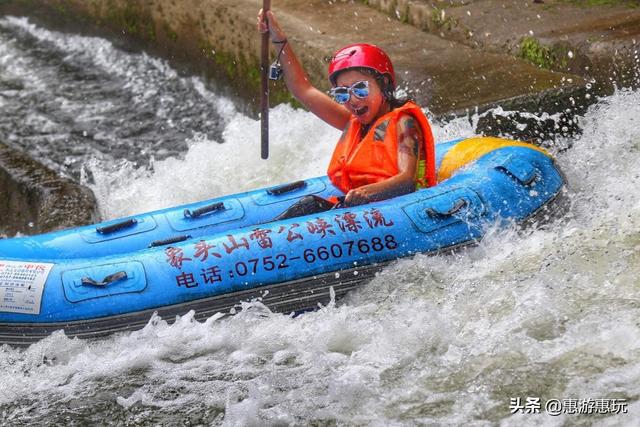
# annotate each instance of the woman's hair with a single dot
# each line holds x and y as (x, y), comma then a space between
(388, 91)
(386, 87)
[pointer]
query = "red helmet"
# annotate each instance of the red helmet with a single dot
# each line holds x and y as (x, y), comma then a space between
(361, 55)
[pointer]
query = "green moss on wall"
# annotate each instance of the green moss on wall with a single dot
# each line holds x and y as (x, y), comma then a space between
(440, 20)
(543, 56)
(132, 20)
(245, 74)
(403, 15)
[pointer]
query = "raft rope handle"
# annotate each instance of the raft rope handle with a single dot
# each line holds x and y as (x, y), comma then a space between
(287, 188)
(170, 240)
(107, 229)
(455, 209)
(214, 207)
(115, 277)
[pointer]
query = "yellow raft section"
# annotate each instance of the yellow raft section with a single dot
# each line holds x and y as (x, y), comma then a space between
(471, 149)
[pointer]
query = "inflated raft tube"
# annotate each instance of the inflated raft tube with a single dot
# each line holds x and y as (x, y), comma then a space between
(292, 265)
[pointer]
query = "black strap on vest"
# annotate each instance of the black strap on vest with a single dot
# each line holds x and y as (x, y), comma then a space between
(381, 131)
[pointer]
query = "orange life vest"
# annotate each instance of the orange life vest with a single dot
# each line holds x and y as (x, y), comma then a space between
(374, 158)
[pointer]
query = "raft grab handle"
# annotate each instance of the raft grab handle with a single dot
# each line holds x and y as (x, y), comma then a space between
(213, 207)
(523, 172)
(112, 278)
(107, 229)
(287, 188)
(168, 241)
(457, 206)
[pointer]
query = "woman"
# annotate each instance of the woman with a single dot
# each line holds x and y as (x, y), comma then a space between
(386, 148)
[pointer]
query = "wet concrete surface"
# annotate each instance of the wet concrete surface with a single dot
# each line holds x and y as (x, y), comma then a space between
(451, 56)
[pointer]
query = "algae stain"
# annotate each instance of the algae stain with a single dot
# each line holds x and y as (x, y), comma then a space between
(170, 32)
(60, 8)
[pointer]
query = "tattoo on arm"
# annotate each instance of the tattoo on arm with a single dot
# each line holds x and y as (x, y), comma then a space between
(410, 137)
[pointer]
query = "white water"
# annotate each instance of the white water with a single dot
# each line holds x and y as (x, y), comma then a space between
(446, 340)
(210, 169)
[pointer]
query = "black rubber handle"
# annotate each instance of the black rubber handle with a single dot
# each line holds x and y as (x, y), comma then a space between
(107, 229)
(286, 188)
(214, 207)
(456, 208)
(115, 277)
(168, 241)
(340, 203)
(527, 181)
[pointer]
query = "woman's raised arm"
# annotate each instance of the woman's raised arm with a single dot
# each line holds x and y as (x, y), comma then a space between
(296, 79)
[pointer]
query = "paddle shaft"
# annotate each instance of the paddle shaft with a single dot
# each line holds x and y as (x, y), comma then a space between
(264, 96)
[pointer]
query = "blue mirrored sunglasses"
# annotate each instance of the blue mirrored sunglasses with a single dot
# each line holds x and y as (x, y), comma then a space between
(341, 94)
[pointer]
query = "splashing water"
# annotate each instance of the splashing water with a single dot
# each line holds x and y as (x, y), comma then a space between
(210, 169)
(548, 313)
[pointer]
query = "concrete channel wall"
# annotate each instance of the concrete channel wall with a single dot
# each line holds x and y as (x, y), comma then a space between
(34, 199)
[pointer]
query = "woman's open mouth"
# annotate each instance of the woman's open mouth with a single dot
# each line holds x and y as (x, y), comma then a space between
(361, 111)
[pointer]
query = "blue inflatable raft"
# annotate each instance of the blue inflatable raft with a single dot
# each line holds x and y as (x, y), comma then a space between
(95, 280)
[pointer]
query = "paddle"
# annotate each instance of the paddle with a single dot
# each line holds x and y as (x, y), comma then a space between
(264, 96)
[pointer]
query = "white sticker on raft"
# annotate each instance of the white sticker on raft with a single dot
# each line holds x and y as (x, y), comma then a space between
(21, 285)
